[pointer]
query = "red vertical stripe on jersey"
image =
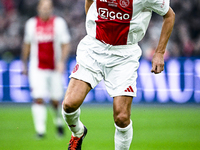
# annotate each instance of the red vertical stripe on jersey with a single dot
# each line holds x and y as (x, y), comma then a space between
(45, 34)
(113, 22)
(46, 55)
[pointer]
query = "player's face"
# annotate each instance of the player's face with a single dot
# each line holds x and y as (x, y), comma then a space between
(45, 10)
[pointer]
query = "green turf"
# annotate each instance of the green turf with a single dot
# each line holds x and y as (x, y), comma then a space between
(161, 127)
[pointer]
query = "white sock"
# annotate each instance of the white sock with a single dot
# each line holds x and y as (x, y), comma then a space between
(123, 137)
(39, 113)
(73, 122)
(58, 120)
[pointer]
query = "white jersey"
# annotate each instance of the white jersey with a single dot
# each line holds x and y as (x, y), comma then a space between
(45, 39)
(122, 22)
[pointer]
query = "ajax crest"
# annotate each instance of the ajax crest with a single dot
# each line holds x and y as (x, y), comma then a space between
(75, 68)
(124, 3)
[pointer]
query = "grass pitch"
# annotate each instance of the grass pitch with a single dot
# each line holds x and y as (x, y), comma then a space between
(156, 127)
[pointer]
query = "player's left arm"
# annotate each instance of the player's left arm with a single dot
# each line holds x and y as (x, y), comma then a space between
(167, 27)
(64, 40)
(64, 56)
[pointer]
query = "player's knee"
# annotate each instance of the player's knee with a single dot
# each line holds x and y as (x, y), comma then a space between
(69, 106)
(55, 104)
(39, 101)
(122, 119)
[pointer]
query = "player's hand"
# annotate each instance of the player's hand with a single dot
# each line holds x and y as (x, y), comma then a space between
(24, 70)
(60, 67)
(157, 63)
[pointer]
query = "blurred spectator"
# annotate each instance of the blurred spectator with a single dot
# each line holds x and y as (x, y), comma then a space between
(185, 38)
(184, 41)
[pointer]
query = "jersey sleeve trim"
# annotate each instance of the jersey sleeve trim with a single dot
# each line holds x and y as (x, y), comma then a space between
(64, 31)
(160, 7)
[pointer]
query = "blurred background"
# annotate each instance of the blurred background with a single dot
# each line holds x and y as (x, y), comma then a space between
(180, 80)
(160, 117)
(184, 42)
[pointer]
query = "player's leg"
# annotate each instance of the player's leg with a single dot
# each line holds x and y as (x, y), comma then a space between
(38, 92)
(39, 113)
(56, 94)
(123, 124)
(74, 97)
(120, 81)
(121, 84)
(85, 76)
(57, 117)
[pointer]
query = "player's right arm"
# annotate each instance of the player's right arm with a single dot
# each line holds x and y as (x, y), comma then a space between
(88, 3)
(24, 57)
(26, 46)
(158, 57)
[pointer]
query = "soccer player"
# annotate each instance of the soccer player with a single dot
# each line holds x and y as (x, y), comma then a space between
(47, 42)
(110, 51)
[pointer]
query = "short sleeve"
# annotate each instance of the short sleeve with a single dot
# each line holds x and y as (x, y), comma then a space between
(27, 32)
(64, 31)
(160, 7)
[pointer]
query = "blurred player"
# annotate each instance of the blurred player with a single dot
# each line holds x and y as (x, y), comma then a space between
(46, 40)
(110, 51)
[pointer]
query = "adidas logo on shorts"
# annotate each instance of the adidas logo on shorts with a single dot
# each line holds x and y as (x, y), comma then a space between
(129, 89)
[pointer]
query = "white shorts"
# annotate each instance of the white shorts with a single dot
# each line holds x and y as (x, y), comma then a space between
(116, 65)
(46, 84)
